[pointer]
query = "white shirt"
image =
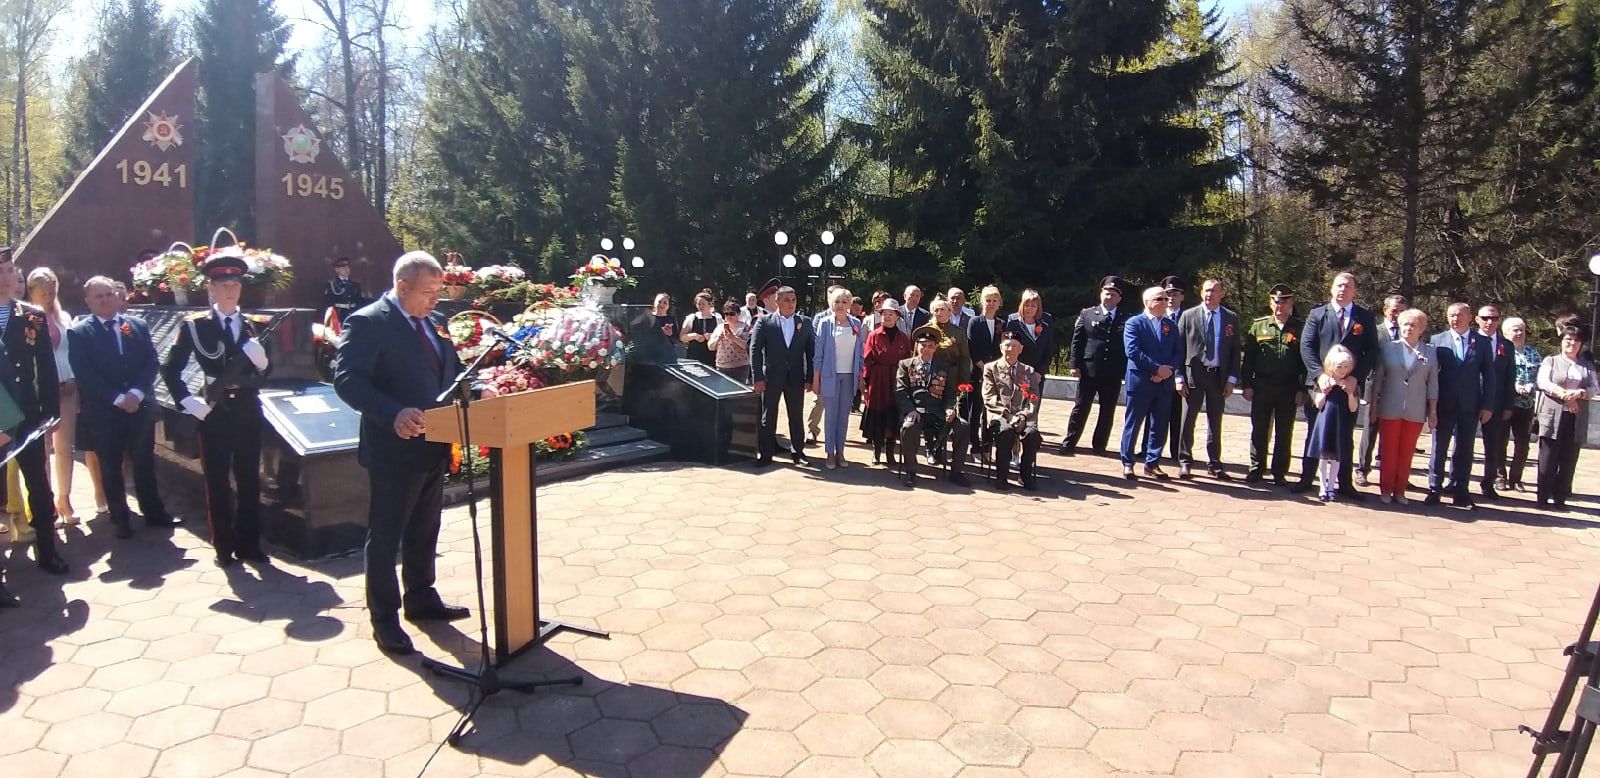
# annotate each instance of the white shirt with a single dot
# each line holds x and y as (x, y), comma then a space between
(787, 323)
(844, 348)
(232, 319)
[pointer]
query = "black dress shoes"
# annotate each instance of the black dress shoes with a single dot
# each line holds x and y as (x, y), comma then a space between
(1433, 498)
(959, 480)
(52, 564)
(1030, 484)
(226, 561)
(1352, 495)
(1489, 493)
(762, 462)
(1254, 477)
(162, 520)
(1066, 450)
(255, 555)
(7, 599)
(1280, 481)
(800, 459)
(392, 640)
(121, 529)
(1300, 487)
(437, 611)
(1220, 474)
(1464, 500)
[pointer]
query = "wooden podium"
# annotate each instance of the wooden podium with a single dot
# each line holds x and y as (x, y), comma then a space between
(509, 426)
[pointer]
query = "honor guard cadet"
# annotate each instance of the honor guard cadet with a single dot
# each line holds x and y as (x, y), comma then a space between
(224, 342)
(1273, 379)
(342, 294)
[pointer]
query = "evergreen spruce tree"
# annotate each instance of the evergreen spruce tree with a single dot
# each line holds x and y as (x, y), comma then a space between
(133, 49)
(236, 39)
(1043, 143)
(1392, 122)
(688, 125)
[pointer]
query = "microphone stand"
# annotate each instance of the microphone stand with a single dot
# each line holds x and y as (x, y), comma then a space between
(485, 681)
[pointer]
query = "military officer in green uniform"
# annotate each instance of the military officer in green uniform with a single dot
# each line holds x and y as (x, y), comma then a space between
(1273, 378)
(225, 342)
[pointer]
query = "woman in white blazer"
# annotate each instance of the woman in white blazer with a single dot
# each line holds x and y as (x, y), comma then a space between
(43, 287)
(1405, 393)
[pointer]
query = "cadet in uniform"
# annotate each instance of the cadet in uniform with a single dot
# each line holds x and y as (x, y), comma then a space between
(224, 342)
(1273, 378)
(32, 382)
(342, 294)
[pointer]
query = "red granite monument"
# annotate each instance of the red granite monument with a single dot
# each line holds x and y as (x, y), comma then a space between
(137, 195)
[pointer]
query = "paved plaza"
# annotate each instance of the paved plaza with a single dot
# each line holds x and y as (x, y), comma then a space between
(800, 623)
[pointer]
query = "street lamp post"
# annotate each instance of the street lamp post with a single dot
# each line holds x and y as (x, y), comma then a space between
(819, 267)
(1594, 299)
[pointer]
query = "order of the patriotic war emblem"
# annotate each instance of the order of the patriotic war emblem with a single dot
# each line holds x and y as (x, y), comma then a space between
(162, 131)
(302, 145)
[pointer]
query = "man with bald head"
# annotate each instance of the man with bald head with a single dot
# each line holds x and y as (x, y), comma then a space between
(911, 316)
(1339, 323)
(1466, 399)
(1155, 354)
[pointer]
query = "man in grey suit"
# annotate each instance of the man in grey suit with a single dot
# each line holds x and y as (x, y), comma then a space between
(1466, 395)
(1210, 372)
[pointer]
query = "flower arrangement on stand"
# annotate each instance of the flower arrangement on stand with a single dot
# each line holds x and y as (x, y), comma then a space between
(579, 345)
(467, 333)
(601, 277)
(494, 277)
(531, 294)
(511, 378)
(174, 272)
(457, 277)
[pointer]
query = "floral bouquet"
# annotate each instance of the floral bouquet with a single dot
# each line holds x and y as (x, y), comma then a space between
(603, 271)
(455, 273)
(492, 277)
(467, 333)
(581, 343)
(530, 294)
(510, 379)
(560, 447)
(176, 269)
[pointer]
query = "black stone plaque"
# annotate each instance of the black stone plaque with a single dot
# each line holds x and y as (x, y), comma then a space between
(708, 380)
(312, 419)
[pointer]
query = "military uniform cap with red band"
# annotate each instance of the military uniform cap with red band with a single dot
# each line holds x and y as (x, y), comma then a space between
(226, 268)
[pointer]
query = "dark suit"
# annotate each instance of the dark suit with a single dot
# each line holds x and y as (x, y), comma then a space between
(1466, 388)
(33, 383)
(1497, 431)
(1099, 358)
(107, 362)
(1321, 333)
(1038, 341)
(344, 295)
(230, 435)
(786, 368)
(1206, 383)
(385, 366)
(910, 320)
(924, 398)
(1150, 344)
(983, 345)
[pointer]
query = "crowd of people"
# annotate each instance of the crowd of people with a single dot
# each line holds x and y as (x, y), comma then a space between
(949, 384)
(87, 383)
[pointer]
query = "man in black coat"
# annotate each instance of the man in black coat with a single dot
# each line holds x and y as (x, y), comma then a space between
(1340, 322)
(1467, 398)
(1503, 367)
(114, 363)
(780, 362)
(33, 384)
(1098, 357)
(225, 343)
(395, 359)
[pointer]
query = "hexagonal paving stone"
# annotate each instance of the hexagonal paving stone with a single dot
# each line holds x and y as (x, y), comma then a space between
(613, 742)
(756, 752)
(168, 727)
(838, 734)
(913, 758)
(204, 756)
(1133, 750)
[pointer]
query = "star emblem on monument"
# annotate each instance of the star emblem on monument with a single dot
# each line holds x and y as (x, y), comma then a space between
(162, 131)
(302, 145)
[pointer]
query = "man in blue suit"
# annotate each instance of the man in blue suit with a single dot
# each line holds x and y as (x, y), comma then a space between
(114, 363)
(1466, 398)
(1155, 352)
(780, 362)
(394, 361)
(1339, 323)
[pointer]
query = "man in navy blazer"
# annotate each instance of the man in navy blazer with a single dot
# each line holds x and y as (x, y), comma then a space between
(394, 361)
(114, 363)
(1340, 322)
(1155, 354)
(1497, 430)
(780, 363)
(1467, 398)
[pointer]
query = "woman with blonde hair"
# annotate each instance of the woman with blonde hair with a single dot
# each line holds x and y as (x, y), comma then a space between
(1405, 394)
(43, 289)
(837, 372)
(1036, 330)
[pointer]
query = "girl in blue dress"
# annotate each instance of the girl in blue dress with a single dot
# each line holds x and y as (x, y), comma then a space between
(1336, 410)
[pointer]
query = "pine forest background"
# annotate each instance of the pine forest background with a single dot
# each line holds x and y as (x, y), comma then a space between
(1446, 149)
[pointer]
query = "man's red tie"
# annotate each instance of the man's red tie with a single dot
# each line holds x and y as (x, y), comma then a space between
(428, 345)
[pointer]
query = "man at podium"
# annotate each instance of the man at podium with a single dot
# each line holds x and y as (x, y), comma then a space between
(394, 361)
